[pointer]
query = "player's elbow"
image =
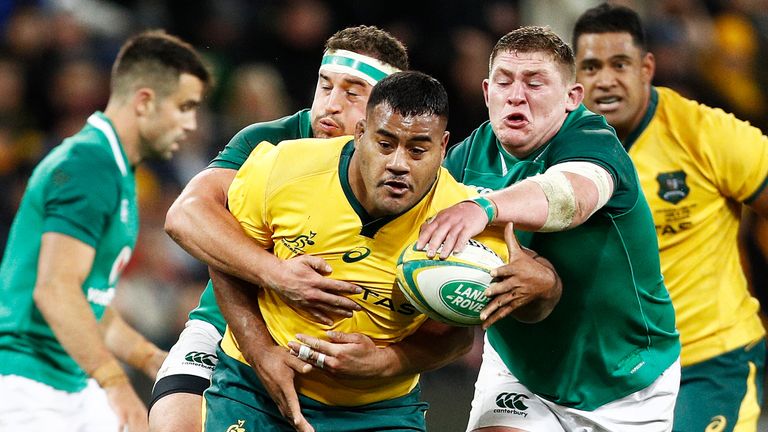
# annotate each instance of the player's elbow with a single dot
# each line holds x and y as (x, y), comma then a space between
(46, 298)
(184, 217)
(176, 220)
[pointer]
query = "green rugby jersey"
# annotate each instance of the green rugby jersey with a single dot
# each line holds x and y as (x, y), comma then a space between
(613, 331)
(85, 188)
(233, 156)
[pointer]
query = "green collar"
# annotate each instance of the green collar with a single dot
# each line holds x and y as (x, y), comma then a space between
(305, 124)
(370, 225)
(649, 113)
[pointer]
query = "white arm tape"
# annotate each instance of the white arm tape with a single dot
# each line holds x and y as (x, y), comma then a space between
(562, 202)
(595, 173)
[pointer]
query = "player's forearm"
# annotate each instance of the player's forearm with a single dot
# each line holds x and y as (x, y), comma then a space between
(130, 346)
(528, 206)
(201, 224)
(239, 306)
(432, 346)
(69, 315)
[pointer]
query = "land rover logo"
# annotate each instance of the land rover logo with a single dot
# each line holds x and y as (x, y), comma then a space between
(464, 297)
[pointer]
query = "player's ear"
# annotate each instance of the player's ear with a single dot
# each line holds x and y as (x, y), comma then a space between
(144, 101)
(575, 96)
(359, 130)
(648, 67)
(485, 90)
(444, 142)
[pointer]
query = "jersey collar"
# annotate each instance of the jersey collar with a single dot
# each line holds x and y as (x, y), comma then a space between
(305, 123)
(370, 224)
(649, 113)
(101, 122)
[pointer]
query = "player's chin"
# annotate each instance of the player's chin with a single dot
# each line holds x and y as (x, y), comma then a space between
(394, 205)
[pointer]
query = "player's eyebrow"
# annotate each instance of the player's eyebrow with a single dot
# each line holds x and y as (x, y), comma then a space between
(388, 134)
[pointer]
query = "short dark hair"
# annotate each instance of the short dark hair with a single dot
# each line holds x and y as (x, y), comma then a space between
(607, 18)
(156, 59)
(531, 39)
(370, 41)
(410, 93)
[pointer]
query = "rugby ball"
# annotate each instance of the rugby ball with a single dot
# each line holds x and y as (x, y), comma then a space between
(450, 290)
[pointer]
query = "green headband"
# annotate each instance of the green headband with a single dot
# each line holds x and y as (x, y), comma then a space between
(361, 66)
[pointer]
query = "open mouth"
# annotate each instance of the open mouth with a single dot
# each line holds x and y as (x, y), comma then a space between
(607, 103)
(397, 187)
(516, 120)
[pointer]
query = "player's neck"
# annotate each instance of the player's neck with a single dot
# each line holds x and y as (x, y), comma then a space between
(126, 128)
(357, 184)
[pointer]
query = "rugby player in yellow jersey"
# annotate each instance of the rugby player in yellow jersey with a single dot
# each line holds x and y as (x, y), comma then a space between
(356, 203)
(697, 166)
(355, 58)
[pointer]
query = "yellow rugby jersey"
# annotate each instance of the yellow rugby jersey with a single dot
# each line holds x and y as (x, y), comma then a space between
(697, 165)
(296, 199)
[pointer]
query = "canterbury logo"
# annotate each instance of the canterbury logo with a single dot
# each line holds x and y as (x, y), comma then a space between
(201, 358)
(717, 424)
(297, 245)
(512, 401)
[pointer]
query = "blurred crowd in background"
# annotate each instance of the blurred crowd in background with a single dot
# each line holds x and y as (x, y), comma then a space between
(54, 72)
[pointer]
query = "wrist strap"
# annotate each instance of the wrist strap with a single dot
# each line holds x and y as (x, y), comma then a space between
(488, 206)
(109, 374)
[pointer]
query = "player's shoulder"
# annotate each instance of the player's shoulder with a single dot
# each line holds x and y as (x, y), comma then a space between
(583, 120)
(583, 130)
(693, 120)
(310, 156)
(87, 151)
(481, 138)
(294, 126)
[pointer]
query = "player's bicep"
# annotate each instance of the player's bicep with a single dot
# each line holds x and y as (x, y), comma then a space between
(248, 193)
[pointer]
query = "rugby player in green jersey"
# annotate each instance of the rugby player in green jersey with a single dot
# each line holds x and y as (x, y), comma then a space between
(60, 341)
(602, 353)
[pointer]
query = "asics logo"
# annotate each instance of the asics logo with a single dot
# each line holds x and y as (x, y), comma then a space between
(512, 401)
(356, 254)
(201, 358)
(717, 424)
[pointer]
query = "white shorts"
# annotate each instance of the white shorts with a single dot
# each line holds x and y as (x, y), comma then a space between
(501, 400)
(32, 405)
(190, 362)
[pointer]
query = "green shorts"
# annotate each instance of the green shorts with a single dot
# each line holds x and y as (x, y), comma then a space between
(723, 392)
(237, 401)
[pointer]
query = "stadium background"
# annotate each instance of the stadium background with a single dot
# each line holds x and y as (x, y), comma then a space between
(54, 71)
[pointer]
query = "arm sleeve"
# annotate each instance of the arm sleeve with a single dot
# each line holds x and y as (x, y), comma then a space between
(737, 153)
(248, 194)
(599, 145)
(80, 196)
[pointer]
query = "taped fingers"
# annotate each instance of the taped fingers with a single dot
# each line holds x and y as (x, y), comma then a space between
(304, 352)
